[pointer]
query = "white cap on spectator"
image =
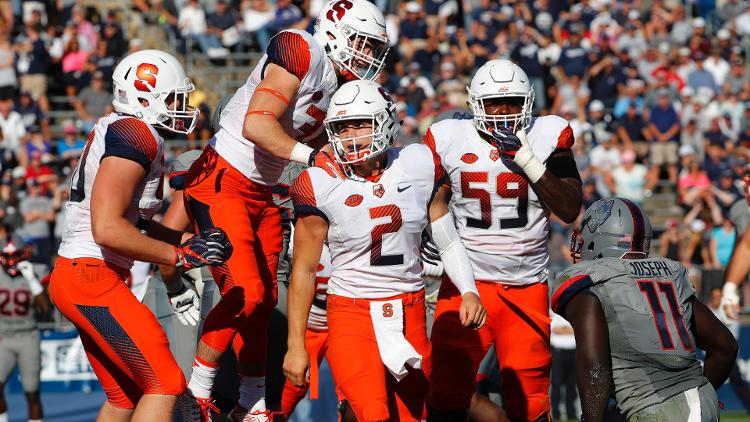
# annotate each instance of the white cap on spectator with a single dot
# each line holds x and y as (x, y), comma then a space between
(687, 91)
(634, 15)
(447, 67)
(18, 172)
(136, 43)
(596, 105)
(413, 7)
(686, 150)
(723, 34)
(684, 51)
(699, 23)
(697, 226)
(566, 109)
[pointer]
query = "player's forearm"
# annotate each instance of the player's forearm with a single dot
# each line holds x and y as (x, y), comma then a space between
(267, 133)
(739, 264)
(118, 235)
(562, 196)
(165, 234)
(718, 365)
(299, 301)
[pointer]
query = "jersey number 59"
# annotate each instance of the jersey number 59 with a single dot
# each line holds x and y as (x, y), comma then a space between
(508, 186)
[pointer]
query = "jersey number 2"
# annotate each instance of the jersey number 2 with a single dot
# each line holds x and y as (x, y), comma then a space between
(377, 258)
(509, 185)
(648, 288)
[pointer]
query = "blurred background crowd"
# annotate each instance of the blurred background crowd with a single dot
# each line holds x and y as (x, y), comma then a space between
(657, 93)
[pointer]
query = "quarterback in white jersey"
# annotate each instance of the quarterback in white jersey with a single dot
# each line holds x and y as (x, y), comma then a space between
(507, 171)
(268, 122)
(116, 189)
(372, 219)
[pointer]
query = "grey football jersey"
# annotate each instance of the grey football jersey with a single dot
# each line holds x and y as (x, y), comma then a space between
(648, 306)
(284, 202)
(16, 304)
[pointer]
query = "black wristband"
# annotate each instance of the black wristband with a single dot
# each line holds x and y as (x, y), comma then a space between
(178, 292)
(311, 159)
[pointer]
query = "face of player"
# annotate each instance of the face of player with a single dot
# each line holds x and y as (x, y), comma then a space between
(504, 106)
(367, 50)
(178, 103)
(356, 137)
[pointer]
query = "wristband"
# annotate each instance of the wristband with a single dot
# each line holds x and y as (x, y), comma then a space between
(531, 165)
(301, 153)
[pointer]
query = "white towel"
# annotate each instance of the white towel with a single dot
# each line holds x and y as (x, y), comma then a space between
(694, 404)
(395, 351)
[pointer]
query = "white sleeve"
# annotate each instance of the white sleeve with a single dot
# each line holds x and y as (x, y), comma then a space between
(27, 271)
(453, 254)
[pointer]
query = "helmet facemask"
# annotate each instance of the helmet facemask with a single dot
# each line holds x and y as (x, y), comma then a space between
(356, 149)
(178, 116)
(491, 123)
(364, 54)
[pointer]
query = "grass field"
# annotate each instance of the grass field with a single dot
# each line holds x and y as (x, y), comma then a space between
(725, 417)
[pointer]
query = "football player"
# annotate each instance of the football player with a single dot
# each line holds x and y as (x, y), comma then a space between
(268, 122)
(372, 219)
(116, 189)
(638, 323)
(507, 172)
(739, 263)
(20, 293)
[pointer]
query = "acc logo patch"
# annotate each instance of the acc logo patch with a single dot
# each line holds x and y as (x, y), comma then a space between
(378, 190)
(494, 155)
(469, 158)
(353, 200)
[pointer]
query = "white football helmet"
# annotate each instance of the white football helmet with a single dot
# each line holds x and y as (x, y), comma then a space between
(361, 100)
(495, 79)
(353, 35)
(157, 77)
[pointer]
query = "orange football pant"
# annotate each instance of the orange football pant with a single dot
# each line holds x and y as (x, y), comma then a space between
(124, 342)
(518, 323)
(316, 344)
(358, 371)
(218, 195)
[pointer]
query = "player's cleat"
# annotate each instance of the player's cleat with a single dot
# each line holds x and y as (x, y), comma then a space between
(196, 409)
(240, 414)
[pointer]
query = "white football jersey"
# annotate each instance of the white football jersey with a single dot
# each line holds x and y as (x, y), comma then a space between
(119, 136)
(375, 227)
(499, 217)
(301, 55)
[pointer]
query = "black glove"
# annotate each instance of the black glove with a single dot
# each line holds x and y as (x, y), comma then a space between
(428, 251)
(506, 142)
(210, 247)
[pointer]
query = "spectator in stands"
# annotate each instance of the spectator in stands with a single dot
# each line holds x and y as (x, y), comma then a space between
(84, 30)
(416, 74)
(671, 241)
(414, 96)
(32, 114)
(8, 82)
(632, 131)
(726, 191)
(717, 66)
(693, 185)
(716, 162)
(257, 16)
(114, 38)
(722, 243)
(571, 91)
(664, 128)
(629, 179)
(605, 79)
(93, 102)
(599, 124)
(429, 57)
(70, 145)
(32, 65)
(39, 172)
(604, 158)
(14, 132)
(192, 25)
(38, 144)
(692, 138)
(700, 76)
(737, 77)
(288, 16)
(526, 54)
(222, 26)
(574, 59)
(38, 213)
(412, 29)
(74, 67)
(104, 61)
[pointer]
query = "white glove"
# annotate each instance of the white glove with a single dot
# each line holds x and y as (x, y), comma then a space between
(730, 301)
(187, 306)
(26, 269)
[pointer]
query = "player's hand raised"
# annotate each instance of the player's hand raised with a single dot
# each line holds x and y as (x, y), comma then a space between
(472, 313)
(210, 247)
(730, 301)
(507, 142)
(297, 367)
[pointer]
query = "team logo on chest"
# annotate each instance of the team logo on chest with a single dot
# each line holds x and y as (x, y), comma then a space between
(469, 158)
(494, 155)
(353, 200)
(378, 190)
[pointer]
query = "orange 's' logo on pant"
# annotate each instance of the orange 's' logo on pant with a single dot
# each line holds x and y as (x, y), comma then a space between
(387, 310)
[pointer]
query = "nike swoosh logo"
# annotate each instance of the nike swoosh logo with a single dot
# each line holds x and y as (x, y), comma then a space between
(400, 189)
